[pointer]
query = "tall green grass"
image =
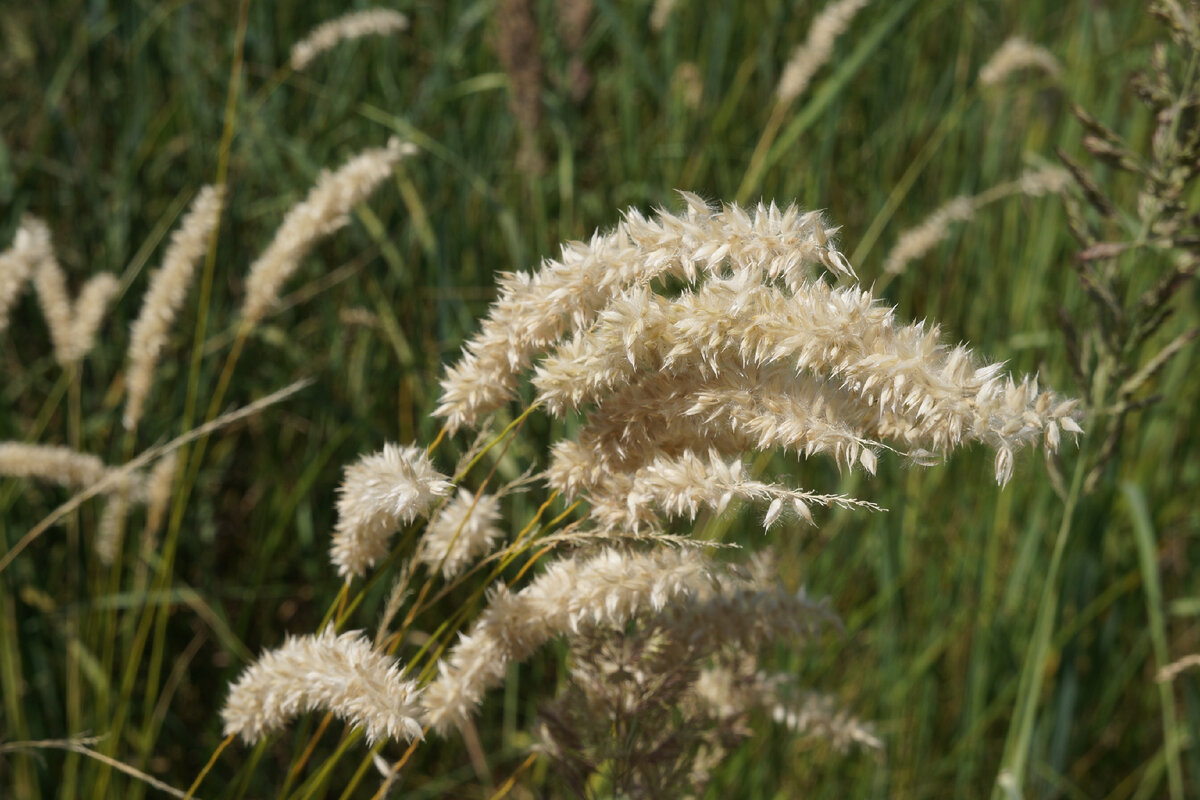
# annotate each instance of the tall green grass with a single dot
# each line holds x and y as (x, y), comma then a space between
(110, 118)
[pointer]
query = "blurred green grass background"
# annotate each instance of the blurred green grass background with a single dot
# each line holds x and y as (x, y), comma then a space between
(111, 117)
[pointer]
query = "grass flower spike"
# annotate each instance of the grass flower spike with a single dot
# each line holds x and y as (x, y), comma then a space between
(380, 493)
(809, 57)
(462, 530)
(355, 25)
(73, 325)
(1015, 54)
(30, 247)
(535, 311)
(609, 589)
(164, 297)
(342, 674)
(322, 212)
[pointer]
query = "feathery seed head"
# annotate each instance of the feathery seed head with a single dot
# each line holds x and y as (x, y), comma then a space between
(323, 211)
(536, 311)
(380, 493)
(607, 589)
(73, 326)
(462, 530)
(355, 25)
(1014, 54)
(341, 674)
(164, 297)
(817, 49)
(31, 246)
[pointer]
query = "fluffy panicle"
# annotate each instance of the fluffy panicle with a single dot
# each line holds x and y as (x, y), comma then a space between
(680, 684)
(51, 285)
(75, 470)
(164, 297)
(916, 242)
(535, 311)
(322, 212)
(342, 674)
(816, 714)
(741, 408)
(754, 354)
(55, 464)
(683, 485)
(380, 493)
(607, 589)
(729, 693)
(660, 15)
(30, 247)
(740, 614)
(73, 326)
(817, 49)
(355, 25)
(1015, 54)
(158, 497)
(925, 394)
(90, 308)
(461, 531)
(110, 531)
(1049, 180)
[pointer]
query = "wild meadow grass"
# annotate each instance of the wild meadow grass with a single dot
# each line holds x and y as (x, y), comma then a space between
(990, 646)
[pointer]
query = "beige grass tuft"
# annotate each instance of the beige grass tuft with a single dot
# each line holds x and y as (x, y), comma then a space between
(607, 589)
(380, 493)
(342, 674)
(73, 326)
(829, 24)
(31, 246)
(355, 25)
(1014, 55)
(462, 530)
(324, 210)
(164, 297)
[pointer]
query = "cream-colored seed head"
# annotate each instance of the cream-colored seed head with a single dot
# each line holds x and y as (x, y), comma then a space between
(323, 211)
(57, 464)
(90, 308)
(70, 468)
(817, 49)
(679, 486)
(31, 246)
(1016, 54)
(564, 297)
(51, 285)
(1048, 180)
(923, 392)
(464, 529)
(660, 15)
(380, 493)
(341, 674)
(110, 531)
(158, 497)
(164, 297)
(73, 326)
(918, 241)
(607, 589)
(355, 25)
(754, 354)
